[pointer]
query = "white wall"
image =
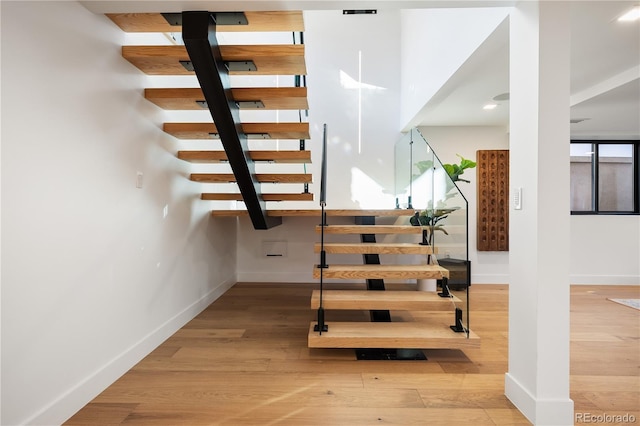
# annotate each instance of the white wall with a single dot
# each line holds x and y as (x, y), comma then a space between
(353, 65)
(605, 249)
(486, 267)
(353, 86)
(435, 43)
(93, 276)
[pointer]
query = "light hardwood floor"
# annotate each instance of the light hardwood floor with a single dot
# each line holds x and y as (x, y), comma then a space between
(244, 360)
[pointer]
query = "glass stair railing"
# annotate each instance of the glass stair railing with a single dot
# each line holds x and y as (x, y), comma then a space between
(428, 187)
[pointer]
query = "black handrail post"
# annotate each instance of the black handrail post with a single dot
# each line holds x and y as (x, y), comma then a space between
(199, 35)
(321, 326)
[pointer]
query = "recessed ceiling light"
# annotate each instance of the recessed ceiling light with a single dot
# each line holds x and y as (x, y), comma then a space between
(577, 120)
(632, 15)
(501, 97)
(490, 106)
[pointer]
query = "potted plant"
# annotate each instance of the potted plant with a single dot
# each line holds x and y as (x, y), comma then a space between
(431, 218)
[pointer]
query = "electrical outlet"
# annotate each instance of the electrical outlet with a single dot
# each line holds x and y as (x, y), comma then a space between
(139, 179)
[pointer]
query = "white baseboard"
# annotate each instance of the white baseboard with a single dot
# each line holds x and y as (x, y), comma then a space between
(65, 406)
(276, 277)
(552, 412)
(605, 279)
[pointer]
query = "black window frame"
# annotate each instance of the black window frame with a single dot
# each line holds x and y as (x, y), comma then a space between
(595, 175)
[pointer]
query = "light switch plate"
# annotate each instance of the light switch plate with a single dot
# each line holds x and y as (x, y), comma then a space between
(517, 198)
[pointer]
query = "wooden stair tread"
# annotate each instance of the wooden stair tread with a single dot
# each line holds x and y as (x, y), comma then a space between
(381, 271)
(270, 59)
(316, 213)
(271, 156)
(273, 98)
(370, 229)
(262, 177)
(408, 300)
(274, 130)
(375, 248)
(257, 21)
(410, 335)
(265, 196)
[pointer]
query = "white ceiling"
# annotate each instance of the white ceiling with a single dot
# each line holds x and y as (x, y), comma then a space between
(605, 62)
(605, 77)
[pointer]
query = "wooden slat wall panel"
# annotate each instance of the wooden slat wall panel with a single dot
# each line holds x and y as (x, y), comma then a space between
(257, 21)
(493, 200)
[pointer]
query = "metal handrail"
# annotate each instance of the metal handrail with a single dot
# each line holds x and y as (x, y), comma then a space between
(321, 326)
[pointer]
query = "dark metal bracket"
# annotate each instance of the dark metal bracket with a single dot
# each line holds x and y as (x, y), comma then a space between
(188, 65)
(199, 35)
(390, 355)
(373, 284)
(457, 327)
(445, 288)
(250, 104)
(241, 66)
(220, 18)
(174, 19)
(230, 18)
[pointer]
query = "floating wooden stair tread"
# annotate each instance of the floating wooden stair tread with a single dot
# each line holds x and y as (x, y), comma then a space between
(270, 156)
(393, 300)
(266, 197)
(381, 271)
(375, 248)
(369, 229)
(257, 21)
(274, 130)
(391, 335)
(262, 177)
(316, 212)
(273, 98)
(269, 59)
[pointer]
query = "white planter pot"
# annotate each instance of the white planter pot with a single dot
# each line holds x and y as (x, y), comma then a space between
(427, 284)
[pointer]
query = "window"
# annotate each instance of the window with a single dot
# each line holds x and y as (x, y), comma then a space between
(605, 177)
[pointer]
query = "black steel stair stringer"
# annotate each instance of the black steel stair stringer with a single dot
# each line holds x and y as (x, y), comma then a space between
(199, 35)
(372, 259)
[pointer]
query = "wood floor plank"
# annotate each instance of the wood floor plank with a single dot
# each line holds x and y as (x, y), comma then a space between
(196, 377)
(266, 414)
